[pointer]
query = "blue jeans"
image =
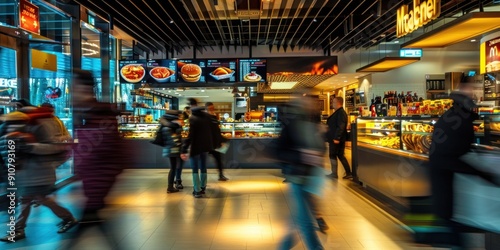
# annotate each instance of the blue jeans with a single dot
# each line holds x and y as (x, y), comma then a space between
(199, 166)
(302, 216)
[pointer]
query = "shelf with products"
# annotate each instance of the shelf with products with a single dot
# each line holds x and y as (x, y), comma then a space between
(138, 130)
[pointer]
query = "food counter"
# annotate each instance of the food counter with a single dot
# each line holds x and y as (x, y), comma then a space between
(249, 144)
(392, 156)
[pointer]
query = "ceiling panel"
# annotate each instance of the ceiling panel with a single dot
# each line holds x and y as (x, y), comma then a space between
(335, 25)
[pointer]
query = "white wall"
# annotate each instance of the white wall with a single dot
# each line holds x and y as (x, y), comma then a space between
(410, 77)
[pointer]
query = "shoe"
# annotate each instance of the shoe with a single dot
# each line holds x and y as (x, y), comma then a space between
(197, 194)
(178, 184)
(67, 225)
(172, 190)
(348, 176)
(223, 178)
(322, 224)
(203, 190)
(35, 203)
(333, 176)
(19, 235)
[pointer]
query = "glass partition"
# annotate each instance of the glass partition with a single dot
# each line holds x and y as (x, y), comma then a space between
(51, 67)
(91, 55)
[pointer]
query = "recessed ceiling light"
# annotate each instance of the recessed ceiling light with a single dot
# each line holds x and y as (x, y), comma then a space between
(473, 40)
(171, 21)
(202, 90)
(396, 41)
(345, 81)
(314, 20)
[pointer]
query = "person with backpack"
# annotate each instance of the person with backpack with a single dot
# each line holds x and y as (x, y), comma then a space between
(171, 130)
(300, 148)
(36, 134)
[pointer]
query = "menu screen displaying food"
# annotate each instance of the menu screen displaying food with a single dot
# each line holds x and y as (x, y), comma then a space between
(132, 71)
(315, 65)
(252, 70)
(221, 70)
(491, 86)
(191, 70)
(162, 71)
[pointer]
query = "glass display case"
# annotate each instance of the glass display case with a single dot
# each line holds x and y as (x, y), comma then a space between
(250, 129)
(492, 125)
(409, 134)
(228, 129)
(138, 130)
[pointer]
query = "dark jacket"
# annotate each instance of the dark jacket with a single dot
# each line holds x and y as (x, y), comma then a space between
(337, 126)
(452, 138)
(199, 139)
(217, 138)
(172, 135)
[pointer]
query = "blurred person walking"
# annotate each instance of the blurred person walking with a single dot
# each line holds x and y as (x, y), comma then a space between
(217, 139)
(198, 144)
(172, 133)
(35, 133)
(100, 154)
(302, 152)
(452, 138)
(336, 137)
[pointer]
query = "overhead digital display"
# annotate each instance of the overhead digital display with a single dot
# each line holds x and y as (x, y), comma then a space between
(252, 70)
(221, 70)
(132, 71)
(191, 70)
(162, 71)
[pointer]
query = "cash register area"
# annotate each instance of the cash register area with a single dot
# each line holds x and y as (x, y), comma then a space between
(250, 211)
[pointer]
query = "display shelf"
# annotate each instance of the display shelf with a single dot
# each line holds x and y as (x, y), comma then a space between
(381, 129)
(495, 132)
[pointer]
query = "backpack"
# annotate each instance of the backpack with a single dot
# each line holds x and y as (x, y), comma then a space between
(159, 140)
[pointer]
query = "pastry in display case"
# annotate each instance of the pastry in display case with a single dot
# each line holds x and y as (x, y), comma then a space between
(251, 129)
(417, 134)
(494, 129)
(379, 132)
(138, 130)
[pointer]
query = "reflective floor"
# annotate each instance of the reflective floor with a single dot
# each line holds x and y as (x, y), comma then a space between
(249, 211)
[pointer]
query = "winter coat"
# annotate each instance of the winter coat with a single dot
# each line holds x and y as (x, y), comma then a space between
(452, 138)
(217, 138)
(200, 138)
(172, 135)
(337, 126)
(35, 144)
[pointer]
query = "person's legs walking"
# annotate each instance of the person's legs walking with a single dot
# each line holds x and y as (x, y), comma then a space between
(171, 175)
(343, 160)
(195, 164)
(178, 173)
(203, 172)
(332, 153)
(68, 220)
(218, 161)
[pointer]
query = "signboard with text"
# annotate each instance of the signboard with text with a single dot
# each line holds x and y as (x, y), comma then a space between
(410, 53)
(29, 18)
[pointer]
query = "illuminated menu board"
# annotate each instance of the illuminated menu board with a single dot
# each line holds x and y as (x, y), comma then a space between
(191, 70)
(221, 70)
(132, 71)
(252, 70)
(162, 71)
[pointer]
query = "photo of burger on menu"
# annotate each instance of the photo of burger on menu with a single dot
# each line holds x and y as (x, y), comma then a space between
(191, 70)
(221, 70)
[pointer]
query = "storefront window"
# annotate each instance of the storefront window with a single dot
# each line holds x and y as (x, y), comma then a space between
(8, 79)
(50, 74)
(91, 55)
(8, 13)
(112, 67)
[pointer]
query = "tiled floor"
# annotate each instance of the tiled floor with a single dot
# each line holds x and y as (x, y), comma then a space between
(248, 212)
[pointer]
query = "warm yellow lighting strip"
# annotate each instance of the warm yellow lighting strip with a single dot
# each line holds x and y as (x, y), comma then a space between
(463, 28)
(388, 63)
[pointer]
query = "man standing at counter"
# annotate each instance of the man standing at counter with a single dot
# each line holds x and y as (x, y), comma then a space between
(336, 137)
(217, 139)
(199, 143)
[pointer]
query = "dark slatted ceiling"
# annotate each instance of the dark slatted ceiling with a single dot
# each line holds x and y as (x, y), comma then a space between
(335, 25)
